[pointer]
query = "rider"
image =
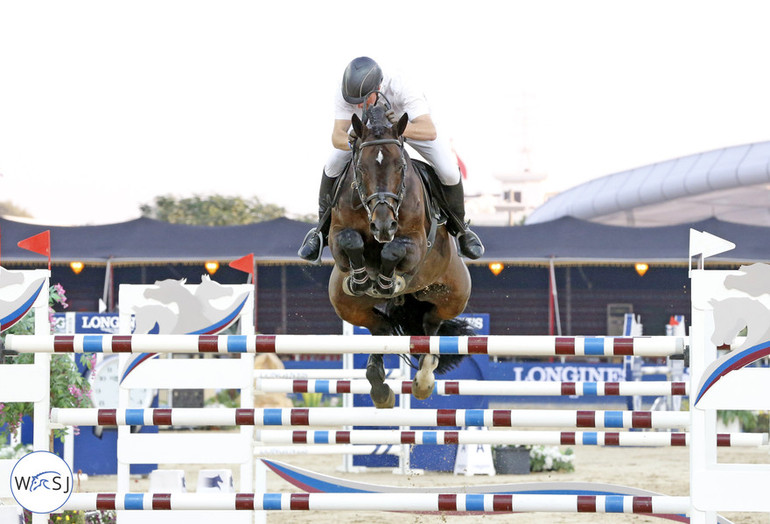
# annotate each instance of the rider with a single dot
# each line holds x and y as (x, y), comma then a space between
(361, 79)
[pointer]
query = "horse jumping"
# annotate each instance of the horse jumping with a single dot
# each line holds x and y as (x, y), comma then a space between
(397, 270)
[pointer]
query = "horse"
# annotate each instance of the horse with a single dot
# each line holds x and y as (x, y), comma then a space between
(397, 270)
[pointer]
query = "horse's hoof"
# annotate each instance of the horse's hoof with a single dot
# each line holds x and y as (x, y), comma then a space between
(424, 382)
(353, 289)
(383, 397)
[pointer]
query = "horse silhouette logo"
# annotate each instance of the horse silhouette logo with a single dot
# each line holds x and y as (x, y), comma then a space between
(176, 308)
(18, 292)
(743, 307)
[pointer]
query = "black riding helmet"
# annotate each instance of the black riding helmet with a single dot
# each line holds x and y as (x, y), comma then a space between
(361, 77)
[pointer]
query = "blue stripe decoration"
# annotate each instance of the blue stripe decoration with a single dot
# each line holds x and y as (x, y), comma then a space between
(272, 417)
(593, 346)
(322, 386)
(430, 437)
(133, 501)
(590, 438)
(474, 502)
(474, 417)
(271, 501)
(222, 324)
(135, 417)
(237, 344)
(731, 362)
(22, 309)
(309, 482)
(614, 504)
(92, 343)
(448, 345)
(590, 388)
(613, 419)
(321, 437)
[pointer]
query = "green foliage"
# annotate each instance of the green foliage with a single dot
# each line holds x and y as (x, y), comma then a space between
(212, 210)
(9, 208)
(68, 387)
(550, 458)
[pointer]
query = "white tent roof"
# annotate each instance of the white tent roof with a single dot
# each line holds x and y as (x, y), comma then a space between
(732, 184)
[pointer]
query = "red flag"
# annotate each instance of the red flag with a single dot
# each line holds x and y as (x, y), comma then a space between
(461, 165)
(40, 244)
(245, 264)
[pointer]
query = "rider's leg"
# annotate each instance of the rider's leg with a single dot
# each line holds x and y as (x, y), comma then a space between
(440, 155)
(312, 246)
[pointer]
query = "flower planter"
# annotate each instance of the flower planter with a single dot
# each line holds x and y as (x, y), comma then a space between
(511, 461)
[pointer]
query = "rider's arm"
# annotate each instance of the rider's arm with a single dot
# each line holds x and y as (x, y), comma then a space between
(340, 134)
(421, 128)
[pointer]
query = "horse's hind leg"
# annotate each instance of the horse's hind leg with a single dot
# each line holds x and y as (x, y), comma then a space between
(381, 394)
(424, 379)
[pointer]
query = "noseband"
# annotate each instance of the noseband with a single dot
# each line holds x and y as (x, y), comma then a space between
(382, 197)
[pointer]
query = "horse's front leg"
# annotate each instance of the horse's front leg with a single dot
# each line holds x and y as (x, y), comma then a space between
(351, 243)
(388, 283)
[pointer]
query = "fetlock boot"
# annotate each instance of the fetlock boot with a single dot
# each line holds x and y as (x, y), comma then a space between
(469, 242)
(312, 245)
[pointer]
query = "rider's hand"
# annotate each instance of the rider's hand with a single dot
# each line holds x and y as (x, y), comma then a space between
(391, 116)
(352, 137)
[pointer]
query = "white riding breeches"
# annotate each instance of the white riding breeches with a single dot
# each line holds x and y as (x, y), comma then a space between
(437, 153)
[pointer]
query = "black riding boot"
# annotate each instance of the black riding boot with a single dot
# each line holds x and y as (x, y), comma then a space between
(313, 244)
(470, 244)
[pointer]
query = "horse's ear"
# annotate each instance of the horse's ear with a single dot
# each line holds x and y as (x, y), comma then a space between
(358, 126)
(401, 126)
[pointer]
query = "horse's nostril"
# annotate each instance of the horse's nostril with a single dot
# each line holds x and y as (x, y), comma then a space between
(393, 225)
(372, 227)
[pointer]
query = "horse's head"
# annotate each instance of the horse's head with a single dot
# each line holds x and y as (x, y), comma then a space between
(380, 170)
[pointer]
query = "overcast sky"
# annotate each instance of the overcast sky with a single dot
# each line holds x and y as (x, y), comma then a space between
(105, 104)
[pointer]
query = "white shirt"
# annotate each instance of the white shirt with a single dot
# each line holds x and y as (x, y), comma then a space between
(403, 98)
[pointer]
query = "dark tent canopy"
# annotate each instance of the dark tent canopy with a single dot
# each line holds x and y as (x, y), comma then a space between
(566, 240)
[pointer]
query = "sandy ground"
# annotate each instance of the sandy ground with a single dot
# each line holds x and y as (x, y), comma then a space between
(663, 470)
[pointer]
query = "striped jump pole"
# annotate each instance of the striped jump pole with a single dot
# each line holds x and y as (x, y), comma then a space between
(501, 437)
(428, 502)
(422, 502)
(331, 449)
(496, 345)
(478, 387)
(369, 417)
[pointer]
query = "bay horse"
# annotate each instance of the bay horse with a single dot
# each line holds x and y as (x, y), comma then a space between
(397, 270)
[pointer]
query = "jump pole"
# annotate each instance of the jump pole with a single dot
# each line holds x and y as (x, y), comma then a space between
(497, 345)
(477, 387)
(369, 417)
(503, 437)
(397, 501)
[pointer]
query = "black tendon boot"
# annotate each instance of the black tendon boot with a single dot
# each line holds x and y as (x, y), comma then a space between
(470, 244)
(313, 244)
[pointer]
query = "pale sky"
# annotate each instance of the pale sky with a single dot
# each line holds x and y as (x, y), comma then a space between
(106, 104)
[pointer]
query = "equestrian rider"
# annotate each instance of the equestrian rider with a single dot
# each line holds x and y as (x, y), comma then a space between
(361, 79)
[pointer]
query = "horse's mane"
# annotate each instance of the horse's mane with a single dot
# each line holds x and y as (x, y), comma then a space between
(377, 121)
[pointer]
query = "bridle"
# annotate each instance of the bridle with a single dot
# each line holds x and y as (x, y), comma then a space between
(391, 200)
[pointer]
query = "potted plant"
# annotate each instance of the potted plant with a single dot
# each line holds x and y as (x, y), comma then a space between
(511, 460)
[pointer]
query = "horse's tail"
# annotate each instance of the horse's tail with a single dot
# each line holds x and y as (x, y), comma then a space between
(406, 319)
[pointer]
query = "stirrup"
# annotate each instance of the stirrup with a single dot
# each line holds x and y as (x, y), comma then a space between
(313, 231)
